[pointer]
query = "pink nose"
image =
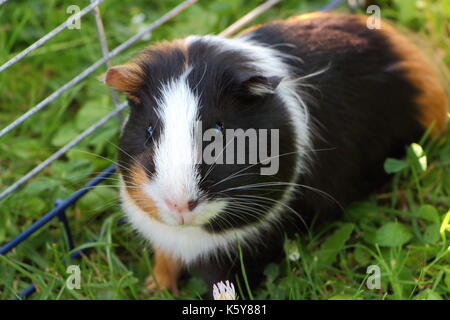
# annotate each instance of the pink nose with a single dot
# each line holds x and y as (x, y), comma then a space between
(181, 207)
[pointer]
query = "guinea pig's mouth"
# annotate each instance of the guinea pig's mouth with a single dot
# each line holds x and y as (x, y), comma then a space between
(172, 211)
(169, 210)
(183, 215)
(197, 217)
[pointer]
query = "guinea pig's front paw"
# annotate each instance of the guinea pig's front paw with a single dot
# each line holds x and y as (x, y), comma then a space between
(165, 273)
(154, 285)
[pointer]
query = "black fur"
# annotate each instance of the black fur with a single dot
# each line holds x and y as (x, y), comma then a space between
(363, 111)
(225, 98)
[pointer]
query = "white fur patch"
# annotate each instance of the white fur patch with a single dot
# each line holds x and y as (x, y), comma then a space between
(188, 243)
(176, 178)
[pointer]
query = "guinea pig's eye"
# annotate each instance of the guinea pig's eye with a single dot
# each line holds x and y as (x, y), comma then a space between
(219, 126)
(148, 134)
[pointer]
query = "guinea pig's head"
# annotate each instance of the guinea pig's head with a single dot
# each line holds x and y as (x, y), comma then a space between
(192, 103)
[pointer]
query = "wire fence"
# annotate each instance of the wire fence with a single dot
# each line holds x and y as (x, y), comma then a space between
(62, 205)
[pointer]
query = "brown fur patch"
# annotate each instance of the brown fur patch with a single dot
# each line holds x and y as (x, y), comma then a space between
(432, 99)
(134, 190)
(128, 77)
(293, 19)
(166, 271)
(313, 15)
(165, 47)
(124, 78)
(162, 48)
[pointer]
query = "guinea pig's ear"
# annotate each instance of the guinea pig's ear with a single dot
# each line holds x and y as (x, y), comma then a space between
(260, 85)
(124, 78)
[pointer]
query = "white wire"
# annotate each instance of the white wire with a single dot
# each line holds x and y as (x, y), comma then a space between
(48, 36)
(61, 151)
(97, 64)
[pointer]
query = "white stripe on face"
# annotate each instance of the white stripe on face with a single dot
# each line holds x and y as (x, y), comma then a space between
(176, 178)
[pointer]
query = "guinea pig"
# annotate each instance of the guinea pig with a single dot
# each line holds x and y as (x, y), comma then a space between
(338, 97)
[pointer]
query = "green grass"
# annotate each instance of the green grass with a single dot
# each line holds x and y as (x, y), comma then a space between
(401, 229)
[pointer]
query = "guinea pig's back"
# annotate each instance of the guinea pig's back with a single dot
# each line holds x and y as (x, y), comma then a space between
(356, 56)
(369, 93)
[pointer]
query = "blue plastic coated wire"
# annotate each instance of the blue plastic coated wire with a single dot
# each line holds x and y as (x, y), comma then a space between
(58, 209)
(32, 288)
